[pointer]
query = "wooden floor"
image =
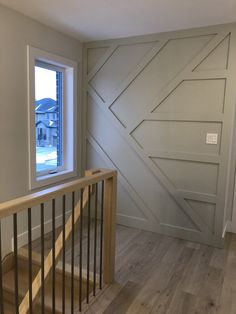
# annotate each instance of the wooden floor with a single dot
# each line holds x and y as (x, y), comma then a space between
(160, 274)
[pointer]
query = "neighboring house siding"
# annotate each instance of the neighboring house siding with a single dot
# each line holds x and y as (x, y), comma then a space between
(46, 122)
(151, 100)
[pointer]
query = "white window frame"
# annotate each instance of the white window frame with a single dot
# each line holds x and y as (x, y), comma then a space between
(69, 168)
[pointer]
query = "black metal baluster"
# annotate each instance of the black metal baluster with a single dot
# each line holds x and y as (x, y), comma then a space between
(88, 243)
(15, 262)
(95, 240)
(81, 249)
(53, 256)
(63, 252)
(101, 237)
(1, 283)
(30, 260)
(42, 259)
(72, 252)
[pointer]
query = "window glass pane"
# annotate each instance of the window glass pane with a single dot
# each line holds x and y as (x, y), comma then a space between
(48, 118)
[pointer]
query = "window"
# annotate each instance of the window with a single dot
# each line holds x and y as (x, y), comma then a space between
(52, 117)
(49, 118)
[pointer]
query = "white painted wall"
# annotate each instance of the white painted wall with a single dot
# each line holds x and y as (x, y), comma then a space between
(16, 32)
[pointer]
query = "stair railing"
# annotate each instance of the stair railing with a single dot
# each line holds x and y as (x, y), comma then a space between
(98, 185)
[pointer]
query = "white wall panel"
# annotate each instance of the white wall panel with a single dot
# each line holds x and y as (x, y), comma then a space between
(190, 175)
(195, 96)
(177, 136)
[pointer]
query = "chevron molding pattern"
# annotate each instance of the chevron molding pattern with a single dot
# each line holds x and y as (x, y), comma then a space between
(150, 102)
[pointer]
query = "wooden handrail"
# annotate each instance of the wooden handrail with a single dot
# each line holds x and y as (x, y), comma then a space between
(17, 205)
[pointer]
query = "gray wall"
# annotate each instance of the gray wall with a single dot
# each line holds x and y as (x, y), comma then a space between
(150, 102)
(16, 32)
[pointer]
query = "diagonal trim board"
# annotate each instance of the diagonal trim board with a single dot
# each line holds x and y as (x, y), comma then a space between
(209, 158)
(199, 184)
(194, 90)
(206, 212)
(93, 56)
(212, 54)
(101, 62)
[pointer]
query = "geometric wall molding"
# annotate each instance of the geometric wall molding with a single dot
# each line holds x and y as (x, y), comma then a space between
(149, 189)
(103, 83)
(195, 96)
(177, 136)
(151, 102)
(129, 103)
(133, 209)
(198, 176)
(130, 204)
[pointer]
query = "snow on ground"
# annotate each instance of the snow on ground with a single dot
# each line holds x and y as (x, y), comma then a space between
(46, 158)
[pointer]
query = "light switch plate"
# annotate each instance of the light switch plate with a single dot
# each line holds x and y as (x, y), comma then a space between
(212, 138)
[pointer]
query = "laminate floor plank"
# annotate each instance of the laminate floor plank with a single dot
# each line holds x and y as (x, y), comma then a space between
(123, 300)
(182, 303)
(208, 300)
(196, 272)
(219, 256)
(163, 301)
(106, 298)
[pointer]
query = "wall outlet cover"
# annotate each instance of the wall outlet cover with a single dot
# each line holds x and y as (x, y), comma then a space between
(212, 138)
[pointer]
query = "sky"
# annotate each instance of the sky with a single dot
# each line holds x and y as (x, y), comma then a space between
(45, 83)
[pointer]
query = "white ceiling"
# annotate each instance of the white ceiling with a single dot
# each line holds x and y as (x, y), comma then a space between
(102, 19)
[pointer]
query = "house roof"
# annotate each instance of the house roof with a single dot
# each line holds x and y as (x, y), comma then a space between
(46, 105)
(48, 123)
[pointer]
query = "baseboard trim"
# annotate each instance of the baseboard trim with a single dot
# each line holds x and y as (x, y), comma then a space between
(225, 229)
(231, 227)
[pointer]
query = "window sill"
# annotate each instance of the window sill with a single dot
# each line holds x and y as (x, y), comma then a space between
(42, 181)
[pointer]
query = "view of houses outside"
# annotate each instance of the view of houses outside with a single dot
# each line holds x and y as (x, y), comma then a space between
(46, 119)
